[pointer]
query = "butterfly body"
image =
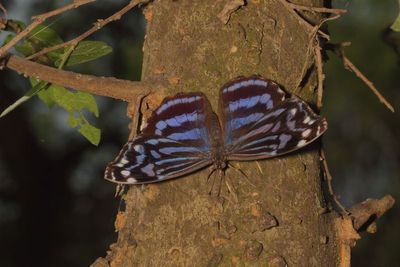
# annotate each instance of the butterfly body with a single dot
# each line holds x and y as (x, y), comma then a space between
(217, 152)
(256, 120)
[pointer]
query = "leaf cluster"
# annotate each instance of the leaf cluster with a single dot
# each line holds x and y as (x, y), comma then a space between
(73, 102)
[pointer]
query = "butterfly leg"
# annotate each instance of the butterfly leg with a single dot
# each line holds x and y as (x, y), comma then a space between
(242, 172)
(229, 185)
(213, 190)
(212, 170)
(119, 190)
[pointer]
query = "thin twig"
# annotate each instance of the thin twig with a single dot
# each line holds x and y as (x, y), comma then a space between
(301, 20)
(314, 30)
(329, 183)
(349, 65)
(97, 26)
(38, 20)
(103, 86)
(2, 8)
(338, 50)
(314, 42)
(320, 73)
(318, 9)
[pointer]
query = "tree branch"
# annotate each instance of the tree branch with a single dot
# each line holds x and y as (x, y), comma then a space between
(40, 19)
(103, 86)
(97, 26)
(366, 213)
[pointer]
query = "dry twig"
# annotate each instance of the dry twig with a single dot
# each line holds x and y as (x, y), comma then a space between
(314, 42)
(329, 179)
(40, 19)
(365, 214)
(301, 20)
(97, 26)
(317, 9)
(2, 8)
(320, 74)
(350, 66)
(338, 50)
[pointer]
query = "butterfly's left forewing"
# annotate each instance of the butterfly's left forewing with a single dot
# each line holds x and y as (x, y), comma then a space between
(175, 142)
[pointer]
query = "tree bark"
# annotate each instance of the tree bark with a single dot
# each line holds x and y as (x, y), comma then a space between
(281, 216)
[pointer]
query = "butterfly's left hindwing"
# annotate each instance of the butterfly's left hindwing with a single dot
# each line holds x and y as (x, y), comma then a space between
(175, 142)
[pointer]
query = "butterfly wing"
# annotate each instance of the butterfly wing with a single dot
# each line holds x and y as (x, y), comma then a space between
(175, 142)
(259, 121)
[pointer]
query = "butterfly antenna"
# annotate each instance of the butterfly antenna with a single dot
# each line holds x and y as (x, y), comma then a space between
(242, 172)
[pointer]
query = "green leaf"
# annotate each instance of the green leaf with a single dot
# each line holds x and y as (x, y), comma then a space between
(42, 94)
(33, 91)
(90, 132)
(43, 36)
(25, 48)
(46, 98)
(87, 51)
(72, 101)
(396, 24)
(72, 121)
(40, 37)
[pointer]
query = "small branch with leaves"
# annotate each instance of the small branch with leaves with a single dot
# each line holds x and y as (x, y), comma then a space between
(97, 26)
(51, 54)
(39, 19)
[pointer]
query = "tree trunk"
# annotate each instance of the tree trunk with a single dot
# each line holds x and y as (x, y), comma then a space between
(280, 216)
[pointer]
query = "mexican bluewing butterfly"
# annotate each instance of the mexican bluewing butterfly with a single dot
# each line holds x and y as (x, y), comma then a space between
(256, 121)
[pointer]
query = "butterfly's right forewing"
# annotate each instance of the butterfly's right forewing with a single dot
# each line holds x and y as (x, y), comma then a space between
(261, 122)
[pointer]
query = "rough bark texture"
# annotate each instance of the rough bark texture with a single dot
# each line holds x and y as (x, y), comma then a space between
(177, 223)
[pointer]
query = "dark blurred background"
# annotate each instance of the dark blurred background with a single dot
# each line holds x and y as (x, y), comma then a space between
(55, 208)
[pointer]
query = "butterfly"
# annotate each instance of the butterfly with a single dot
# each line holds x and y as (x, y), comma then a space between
(256, 120)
